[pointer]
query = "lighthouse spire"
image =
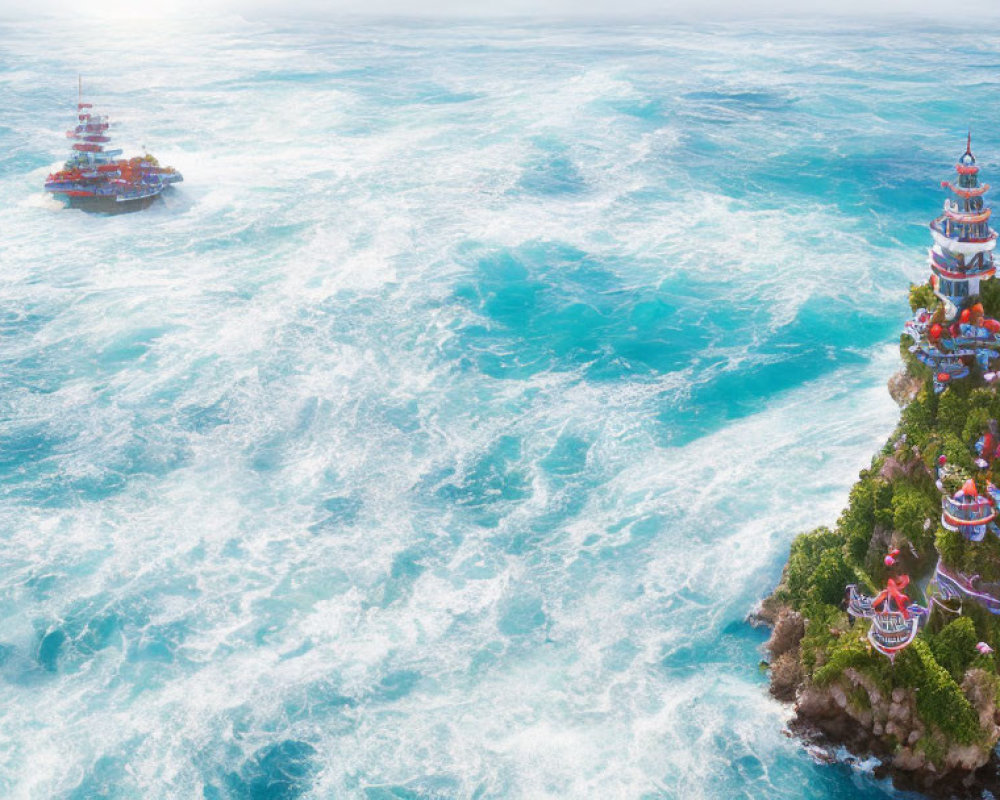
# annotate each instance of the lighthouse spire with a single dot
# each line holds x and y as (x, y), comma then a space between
(968, 144)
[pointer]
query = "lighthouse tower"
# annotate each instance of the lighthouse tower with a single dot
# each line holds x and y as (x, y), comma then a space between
(963, 239)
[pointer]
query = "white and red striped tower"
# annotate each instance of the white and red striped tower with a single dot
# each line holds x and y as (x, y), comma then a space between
(962, 255)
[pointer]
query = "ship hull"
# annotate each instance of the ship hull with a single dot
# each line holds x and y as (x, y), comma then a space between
(109, 205)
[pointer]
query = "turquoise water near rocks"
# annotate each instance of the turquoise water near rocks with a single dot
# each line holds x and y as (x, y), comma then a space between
(435, 437)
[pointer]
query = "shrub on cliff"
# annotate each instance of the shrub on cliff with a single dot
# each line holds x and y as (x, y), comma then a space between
(954, 648)
(940, 701)
(911, 508)
(917, 419)
(910, 362)
(858, 520)
(807, 551)
(824, 625)
(987, 630)
(952, 410)
(922, 296)
(818, 571)
(951, 546)
(851, 650)
(830, 577)
(973, 558)
(989, 296)
(976, 421)
(983, 559)
(959, 458)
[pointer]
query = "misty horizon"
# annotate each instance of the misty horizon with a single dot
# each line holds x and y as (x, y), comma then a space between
(687, 11)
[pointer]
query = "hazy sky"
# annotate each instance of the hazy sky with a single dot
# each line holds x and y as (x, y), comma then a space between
(690, 9)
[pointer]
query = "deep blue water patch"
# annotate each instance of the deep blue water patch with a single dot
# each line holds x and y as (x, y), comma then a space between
(546, 306)
(550, 171)
(337, 512)
(130, 346)
(494, 482)
(395, 686)
(550, 306)
(103, 781)
(49, 648)
(282, 771)
(521, 615)
(810, 346)
(24, 446)
(431, 787)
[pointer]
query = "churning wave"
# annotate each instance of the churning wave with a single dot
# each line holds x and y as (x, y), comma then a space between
(435, 437)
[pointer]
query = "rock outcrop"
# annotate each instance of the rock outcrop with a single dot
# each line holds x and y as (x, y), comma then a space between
(856, 712)
(904, 387)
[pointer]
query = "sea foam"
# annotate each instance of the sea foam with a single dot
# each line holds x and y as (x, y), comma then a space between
(436, 435)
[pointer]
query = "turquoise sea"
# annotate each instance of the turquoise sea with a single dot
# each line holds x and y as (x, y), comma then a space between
(436, 436)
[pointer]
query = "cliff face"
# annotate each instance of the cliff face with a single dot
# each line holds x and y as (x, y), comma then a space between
(904, 387)
(931, 715)
(860, 712)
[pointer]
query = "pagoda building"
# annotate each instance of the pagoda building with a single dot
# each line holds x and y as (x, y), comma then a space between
(895, 620)
(962, 254)
(967, 512)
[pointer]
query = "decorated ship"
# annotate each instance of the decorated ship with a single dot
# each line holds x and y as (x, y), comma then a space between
(97, 178)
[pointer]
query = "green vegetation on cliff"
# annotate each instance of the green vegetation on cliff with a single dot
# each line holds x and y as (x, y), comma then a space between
(896, 504)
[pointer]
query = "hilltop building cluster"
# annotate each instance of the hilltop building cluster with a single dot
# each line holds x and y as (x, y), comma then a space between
(953, 340)
(885, 625)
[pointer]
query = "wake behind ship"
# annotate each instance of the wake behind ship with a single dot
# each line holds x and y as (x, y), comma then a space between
(97, 179)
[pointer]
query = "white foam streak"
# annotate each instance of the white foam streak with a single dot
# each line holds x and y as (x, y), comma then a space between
(253, 434)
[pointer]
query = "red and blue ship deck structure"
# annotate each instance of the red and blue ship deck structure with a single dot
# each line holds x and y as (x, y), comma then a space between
(96, 178)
